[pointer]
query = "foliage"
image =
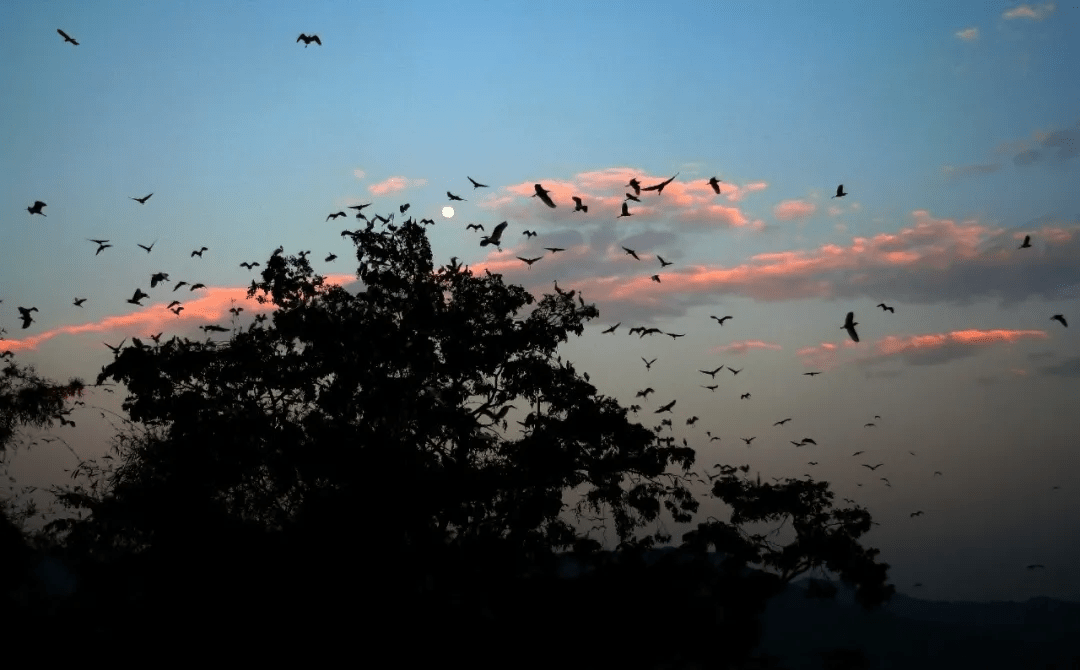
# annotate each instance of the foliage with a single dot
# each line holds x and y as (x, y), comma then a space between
(358, 444)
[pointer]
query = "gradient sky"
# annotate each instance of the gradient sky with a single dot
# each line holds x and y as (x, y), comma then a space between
(955, 129)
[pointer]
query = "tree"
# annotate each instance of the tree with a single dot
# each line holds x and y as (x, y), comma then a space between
(366, 434)
(26, 399)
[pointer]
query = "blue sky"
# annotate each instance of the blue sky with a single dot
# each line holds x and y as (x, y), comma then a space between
(954, 128)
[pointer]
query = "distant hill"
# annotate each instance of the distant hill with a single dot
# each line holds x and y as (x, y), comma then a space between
(910, 632)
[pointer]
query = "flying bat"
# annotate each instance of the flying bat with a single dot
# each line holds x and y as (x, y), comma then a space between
(659, 188)
(543, 195)
(849, 326)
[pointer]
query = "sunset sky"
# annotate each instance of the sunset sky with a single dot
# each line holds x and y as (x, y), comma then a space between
(954, 128)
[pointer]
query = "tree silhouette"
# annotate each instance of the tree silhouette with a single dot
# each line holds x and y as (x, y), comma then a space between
(356, 450)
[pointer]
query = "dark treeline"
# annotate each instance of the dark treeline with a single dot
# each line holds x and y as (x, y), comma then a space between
(343, 472)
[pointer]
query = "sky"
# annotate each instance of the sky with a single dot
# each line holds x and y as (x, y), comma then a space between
(954, 130)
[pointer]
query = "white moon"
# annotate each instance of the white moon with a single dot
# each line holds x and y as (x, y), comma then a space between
(448, 212)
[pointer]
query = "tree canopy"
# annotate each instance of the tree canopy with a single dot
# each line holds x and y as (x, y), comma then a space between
(358, 443)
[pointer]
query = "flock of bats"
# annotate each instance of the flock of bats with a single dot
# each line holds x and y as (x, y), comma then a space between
(495, 238)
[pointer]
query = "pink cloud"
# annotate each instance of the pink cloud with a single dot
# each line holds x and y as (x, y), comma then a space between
(1038, 12)
(211, 305)
(395, 184)
(793, 209)
(745, 346)
(890, 346)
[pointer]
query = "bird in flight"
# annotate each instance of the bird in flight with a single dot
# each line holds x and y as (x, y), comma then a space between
(24, 314)
(195, 286)
(734, 371)
(1033, 566)
(915, 514)
(330, 258)
(748, 440)
(711, 373)
(886, 480)
(102, 245)
(636, 185)
(79, 301)
(715, 183)
(578, 207)
(655, 278)
(360, 207)
(455, 197)
(869, 425)
(711, 388)
(172, 304)
(873, 467)
(36, 208)
(612, 329)
(644, 393)
(858, 452)
(543, 195)
(554, 250)
(198, 252)
(937, 472)
(885, 308)
(675, 335)
(840, 191)
(807, 440)
(691, 421)
(475, 184)
(158, 277)
(633, 197)
(1059, 317)
(530, 233)
(495, 237)
(179, 284)
(744, 396)
(177, 310)
(648, 364)
(659, 188)
(632, 253)
(811, 462)
(148, 249)
(529, 261)
(248, 265)
(139, 295)
(663, 263)
(335, 215)
(142, 201)
(719, 320)
(308, 39)
(780, 423)
(665, 408)
(1026, 244)
(116, 349)
(625, 211)
(67, 38)
(810, 374)
(849, 326)
(474, 226)
(797, 444)
(403, 208)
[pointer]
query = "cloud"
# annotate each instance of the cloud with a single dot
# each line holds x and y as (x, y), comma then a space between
(1038, 12)
(1066, 368)
(691, 203)
(395, 184)
(359, 174)
(1027, 157)
(745, 346)
(953, 171)
(211, 306)
(793, 209)
(968, 34)
(934, 349)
